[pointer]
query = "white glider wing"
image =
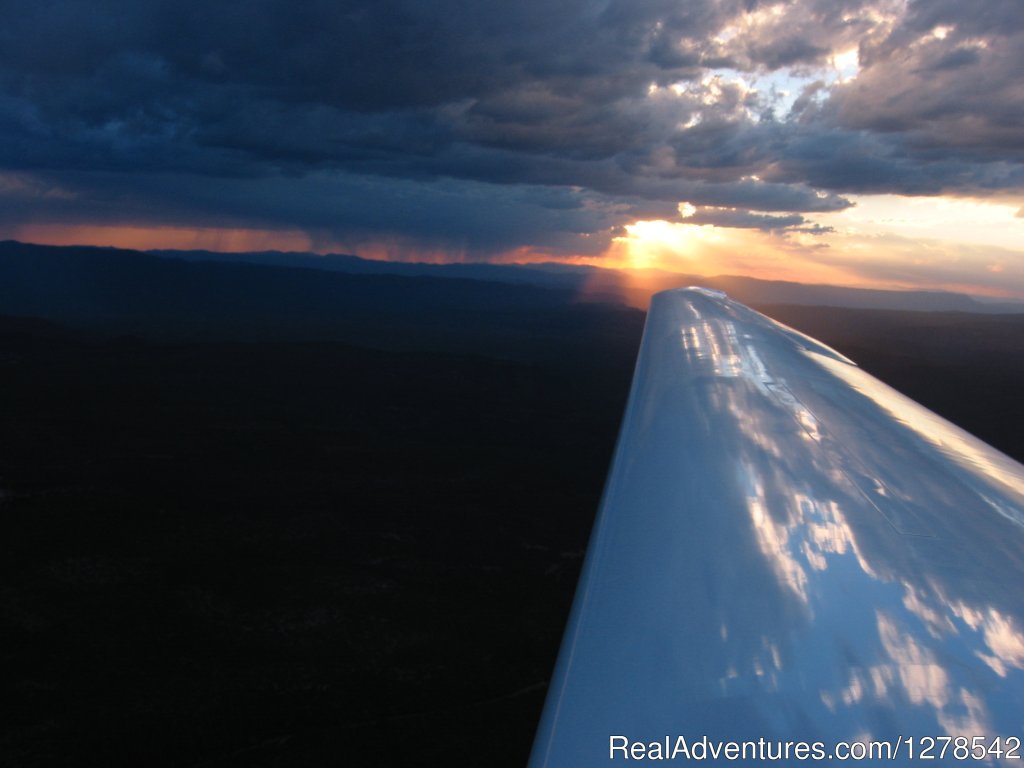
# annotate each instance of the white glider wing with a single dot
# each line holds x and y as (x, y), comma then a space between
(788, 550)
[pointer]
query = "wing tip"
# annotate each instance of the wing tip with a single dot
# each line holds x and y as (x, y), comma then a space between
(808, 343)
(709, 292)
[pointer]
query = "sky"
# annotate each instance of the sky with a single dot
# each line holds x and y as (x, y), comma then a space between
(853, 142)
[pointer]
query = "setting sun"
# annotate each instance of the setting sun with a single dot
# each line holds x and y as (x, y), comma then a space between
(657, 244)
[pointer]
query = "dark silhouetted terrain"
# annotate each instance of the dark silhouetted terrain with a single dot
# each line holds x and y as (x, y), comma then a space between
(254, 516)
(230, 538)
(609, 284)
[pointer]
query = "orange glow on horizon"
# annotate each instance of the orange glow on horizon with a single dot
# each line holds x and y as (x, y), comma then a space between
(880, 243)
(142, 238)
(707, 251)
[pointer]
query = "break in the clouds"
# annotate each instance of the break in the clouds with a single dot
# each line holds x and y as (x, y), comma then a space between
(490, 126)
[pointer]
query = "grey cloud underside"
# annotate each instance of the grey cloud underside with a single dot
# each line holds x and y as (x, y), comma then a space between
(198, 109)
(731, 217)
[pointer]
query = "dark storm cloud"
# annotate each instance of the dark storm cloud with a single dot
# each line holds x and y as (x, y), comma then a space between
(414, 117)
(464, 216)
(830, 157)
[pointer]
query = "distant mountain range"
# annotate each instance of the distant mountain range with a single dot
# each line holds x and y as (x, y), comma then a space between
(281, 291)
(613, 285)
(137, 294)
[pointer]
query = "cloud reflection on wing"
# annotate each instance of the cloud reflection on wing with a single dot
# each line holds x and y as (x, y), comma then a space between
(879, 520)
(784, 552)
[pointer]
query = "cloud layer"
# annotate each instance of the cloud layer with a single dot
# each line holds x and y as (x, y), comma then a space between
(488, 126)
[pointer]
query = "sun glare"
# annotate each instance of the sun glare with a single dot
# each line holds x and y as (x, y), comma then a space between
(673, 246)
(648, 242)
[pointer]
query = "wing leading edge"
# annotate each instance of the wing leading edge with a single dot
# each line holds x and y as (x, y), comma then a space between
(788, 550)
